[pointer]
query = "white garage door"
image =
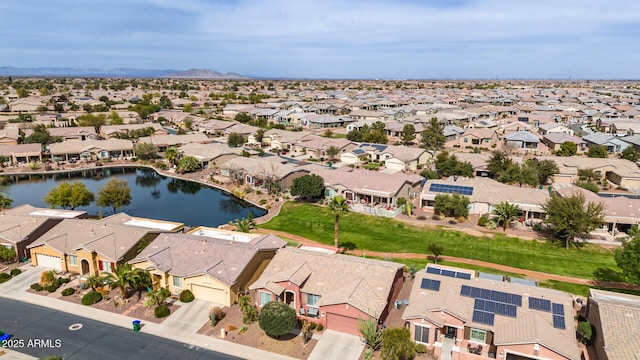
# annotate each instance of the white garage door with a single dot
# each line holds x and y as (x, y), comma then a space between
(394, 164)
(209, 294)
(49, 261)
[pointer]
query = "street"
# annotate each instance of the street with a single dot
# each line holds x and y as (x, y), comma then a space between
(43, 332)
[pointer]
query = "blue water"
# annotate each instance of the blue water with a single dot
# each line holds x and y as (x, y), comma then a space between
(615, 195)
(153, 196)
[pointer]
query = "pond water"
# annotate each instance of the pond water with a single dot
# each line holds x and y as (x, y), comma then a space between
(153, 195)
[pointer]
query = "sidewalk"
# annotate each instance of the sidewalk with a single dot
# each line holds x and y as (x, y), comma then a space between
(16, 289)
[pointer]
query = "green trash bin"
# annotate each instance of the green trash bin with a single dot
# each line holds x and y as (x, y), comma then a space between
(136, 325)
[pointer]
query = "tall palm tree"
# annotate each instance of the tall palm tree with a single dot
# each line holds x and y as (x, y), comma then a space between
(338, 205)
(171, 154)
(506, 212)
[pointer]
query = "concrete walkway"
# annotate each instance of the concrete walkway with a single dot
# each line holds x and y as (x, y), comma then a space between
(190, 316)
(337, 345)
(177, 329)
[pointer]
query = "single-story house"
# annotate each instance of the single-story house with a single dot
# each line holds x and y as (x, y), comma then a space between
(79, 133)
(91, 149)
(112, 131)
(266, 173)
(22, 153)
(162, 142)
(477, 318)
(522, 140)
(214, 268)
(555, 140)
(479, 137)
(334, 290)
(87, 247)
(210, 154)
(614, 317)
(9, 136)
(553, 127)
(620, 172)
(18, 231)
(611, 142)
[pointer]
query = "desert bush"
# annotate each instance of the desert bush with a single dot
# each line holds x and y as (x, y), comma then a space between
(250, 314)
(216, 315)
(319, 327)
(277, 318)
(436, 217)
(91, 298)
(421, 348)
(231, 327)
(5, 276)
(51, 288)
(482, 221)
(68, 291)
(186, 296)
(36, 286)
(161, 311)
(263, 201)
(47, 277)
(15, 272)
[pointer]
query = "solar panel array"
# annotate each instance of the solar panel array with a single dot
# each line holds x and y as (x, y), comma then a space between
(430, 284)
(485, 294)
(558, 322)
(495, 307)
(483, 317)
(450, 273)
(451, 189)
(540, 304)
(558, 309)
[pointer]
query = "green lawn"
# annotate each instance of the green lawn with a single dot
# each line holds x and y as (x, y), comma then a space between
(387, 235)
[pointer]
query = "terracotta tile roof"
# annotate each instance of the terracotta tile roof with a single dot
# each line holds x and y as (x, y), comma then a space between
(619, 314)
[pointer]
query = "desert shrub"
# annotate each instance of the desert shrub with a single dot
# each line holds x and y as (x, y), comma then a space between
(482, 221)
(370, 332)
(162, 311)
(319, 327)
(47, 277)
(231, 327)
(186, 296)
(453, 221)
(397, 344)
(51, 288)
(36, 286)
(368, 354)
(436, 217)
(15, 272)
(216, 315)
(277, 318)
(421, 348)
(68, 291)
(263, 201)
(91, 298)
(250, 314)
(63, 280)
(5, 276)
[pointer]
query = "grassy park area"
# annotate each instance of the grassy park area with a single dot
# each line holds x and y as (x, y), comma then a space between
(393, 236)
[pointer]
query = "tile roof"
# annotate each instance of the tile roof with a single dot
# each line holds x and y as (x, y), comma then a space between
(187, 255)
(362, 283)
(15, 228)
(619, 314)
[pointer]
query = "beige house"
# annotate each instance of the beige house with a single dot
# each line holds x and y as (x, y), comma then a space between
(162, 142)
(9, 136)
(615, 319)
(112, 131)
(486, 138)
(91, 149)
(216, 268)
(22, 153)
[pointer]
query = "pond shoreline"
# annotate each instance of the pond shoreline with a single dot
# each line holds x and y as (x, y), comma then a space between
(196, 177)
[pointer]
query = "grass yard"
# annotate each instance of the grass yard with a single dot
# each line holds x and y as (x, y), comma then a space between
(388, 235)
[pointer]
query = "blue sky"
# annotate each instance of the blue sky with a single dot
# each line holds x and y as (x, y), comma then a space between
(445, 39)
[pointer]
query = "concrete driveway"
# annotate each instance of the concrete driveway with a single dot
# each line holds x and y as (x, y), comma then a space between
(337, 345)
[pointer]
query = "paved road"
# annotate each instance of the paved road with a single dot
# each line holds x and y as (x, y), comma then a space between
(29, 324)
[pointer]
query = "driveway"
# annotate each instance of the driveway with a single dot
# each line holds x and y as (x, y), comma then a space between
(337, 345)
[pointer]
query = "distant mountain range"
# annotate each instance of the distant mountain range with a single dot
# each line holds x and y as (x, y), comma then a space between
(118, 72)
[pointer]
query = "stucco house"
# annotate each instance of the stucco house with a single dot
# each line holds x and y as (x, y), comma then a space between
(214, 267)
(22, 153)
(162, 142)
(90, 149)
(9, 136)
(555, 140)
(113, 131)
(334, 290)
(522, 140)
(464, 317)
(262, 173)
(481, 137)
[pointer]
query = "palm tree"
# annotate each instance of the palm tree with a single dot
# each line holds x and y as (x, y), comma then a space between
(506, 212)
(171, 154)
(338, 205)
(245, 224)
(124, 276)
(5, 201)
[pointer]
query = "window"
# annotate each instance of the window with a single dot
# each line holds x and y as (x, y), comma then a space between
(466, 140)
(478, 336)
(312, 300)
(487, 140)
(73, 260)
(177, 281)
(421, 334)
(104, 266)
(264, 298)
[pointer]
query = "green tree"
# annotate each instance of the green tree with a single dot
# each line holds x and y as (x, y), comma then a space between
(259, 135)
(332, 151)
(236, 140)
(115, 118)
(156, 297)
(115, 194)
(499, 163)
(371, 333)
(145, 150)
(544, 169)
(172, 154)
(124, 277)
(628, 257)
(5, 201)
(308, 187)
(3, 160)
(397, 344)
(506, 212)
(568, 148)
(588, 174)
(357, 135)
(40, 135)
(432, 137)
(408, 133)
(631, 154)
(454, 205)
(277, 318)
(245, 224)
(92, 120)
(448, 165)
(597, 151)
(429, 174)
(338, 206)
(436, 250)
(188, 164)
(572, 216)
(243, 118)
(8, 254)
(585, 332)
(22, 92)
(69, 195)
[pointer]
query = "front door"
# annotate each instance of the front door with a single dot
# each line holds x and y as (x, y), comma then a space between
(451, 332)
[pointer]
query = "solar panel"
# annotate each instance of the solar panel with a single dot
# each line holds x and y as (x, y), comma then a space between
(475, 292)
(512, 311)
(485, 294)
(449, 273)
(461, 275)
(465, 290)
(433, 270)
(450, 189)
(558, 309)
(429, 284)
(500, 308)
(539, 304)
(558, 322)
(516, 299)
(490, 306)
(478, 304)
(495, 296)
(483, 317)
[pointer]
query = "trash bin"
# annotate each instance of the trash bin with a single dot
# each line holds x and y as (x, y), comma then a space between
(136, 325)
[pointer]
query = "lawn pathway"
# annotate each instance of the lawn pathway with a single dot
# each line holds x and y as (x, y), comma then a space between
(535, 275)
